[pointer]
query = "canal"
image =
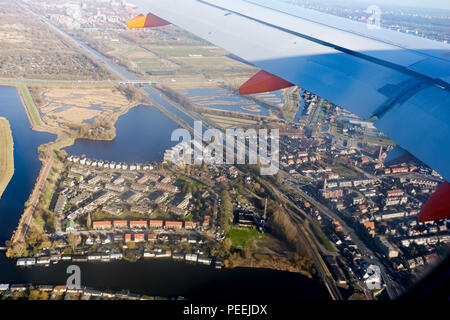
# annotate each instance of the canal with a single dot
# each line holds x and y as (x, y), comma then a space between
(26, 162)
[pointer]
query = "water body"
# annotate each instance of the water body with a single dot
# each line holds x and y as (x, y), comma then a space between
(169, 278)
(216, 97)
(301, 108)
(142, 135)
(26, 162)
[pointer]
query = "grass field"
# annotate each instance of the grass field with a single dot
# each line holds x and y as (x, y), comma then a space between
(31, 106)
(183, 51)
(322, 238)
(227, 122)
(6, 155)
(242, 238)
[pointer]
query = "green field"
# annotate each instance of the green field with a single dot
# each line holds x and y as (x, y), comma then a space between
(242, 238)
(30, 104)
(183, 51)
(322, 238)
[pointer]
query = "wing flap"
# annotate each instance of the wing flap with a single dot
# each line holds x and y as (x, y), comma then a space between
(421, 125)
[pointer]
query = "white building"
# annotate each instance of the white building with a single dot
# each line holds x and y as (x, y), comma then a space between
(372, 278)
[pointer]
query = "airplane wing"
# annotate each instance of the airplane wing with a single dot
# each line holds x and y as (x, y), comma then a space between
(399, 79)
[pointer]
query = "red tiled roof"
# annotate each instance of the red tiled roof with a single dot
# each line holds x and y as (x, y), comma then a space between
(101, 223)
(174, 223)
(138, 222)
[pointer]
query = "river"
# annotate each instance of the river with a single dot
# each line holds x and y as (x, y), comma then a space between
(26, 162)
(169, 278)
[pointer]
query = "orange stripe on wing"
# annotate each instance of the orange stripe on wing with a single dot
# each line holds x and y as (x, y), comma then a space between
(438, 206)
(146, 21)
(264, 82)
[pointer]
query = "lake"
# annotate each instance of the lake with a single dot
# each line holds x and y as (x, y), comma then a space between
(142, 135)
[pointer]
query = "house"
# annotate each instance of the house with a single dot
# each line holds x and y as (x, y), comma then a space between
(139, 237)
(19, 287)
(89, 240)
(102, 225)
(4, 287)
(190, 225)
(120, 224)
(138, 224)
(395, 193)
(118, 237)
(156, 223)
(174, 224)
(387, 248)
(142, 210)
(181, 201)
(369, 225)
(24, 262)
(204, 260)
(178, 256)
(116, 256)
(139, 187)
(178, 211)
(372, 277)
(59, 289)
(206, 221)
(113, 210)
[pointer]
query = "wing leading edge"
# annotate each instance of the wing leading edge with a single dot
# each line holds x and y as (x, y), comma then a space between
(400, 79)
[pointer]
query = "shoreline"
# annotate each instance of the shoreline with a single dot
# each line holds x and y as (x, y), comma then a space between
(8, 150)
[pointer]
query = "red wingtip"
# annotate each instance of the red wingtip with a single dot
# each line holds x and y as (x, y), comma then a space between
(147, 21)
(263, 82)
(438, 206)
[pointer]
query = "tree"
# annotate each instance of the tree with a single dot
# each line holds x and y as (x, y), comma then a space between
(44, 296)
(17, 250)
(227, 244)
(226, 211)
(279, 178)
(88, 221)
(73, 241)
(34, 295)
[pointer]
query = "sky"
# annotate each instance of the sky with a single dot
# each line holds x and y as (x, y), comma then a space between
(438, 4)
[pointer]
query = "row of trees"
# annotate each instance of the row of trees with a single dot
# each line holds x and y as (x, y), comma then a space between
(226, 211)
(283, 227)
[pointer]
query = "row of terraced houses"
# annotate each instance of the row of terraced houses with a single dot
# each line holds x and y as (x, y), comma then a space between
(145, 224)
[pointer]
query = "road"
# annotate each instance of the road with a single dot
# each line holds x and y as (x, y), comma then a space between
(36, 196)
(390, 287)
